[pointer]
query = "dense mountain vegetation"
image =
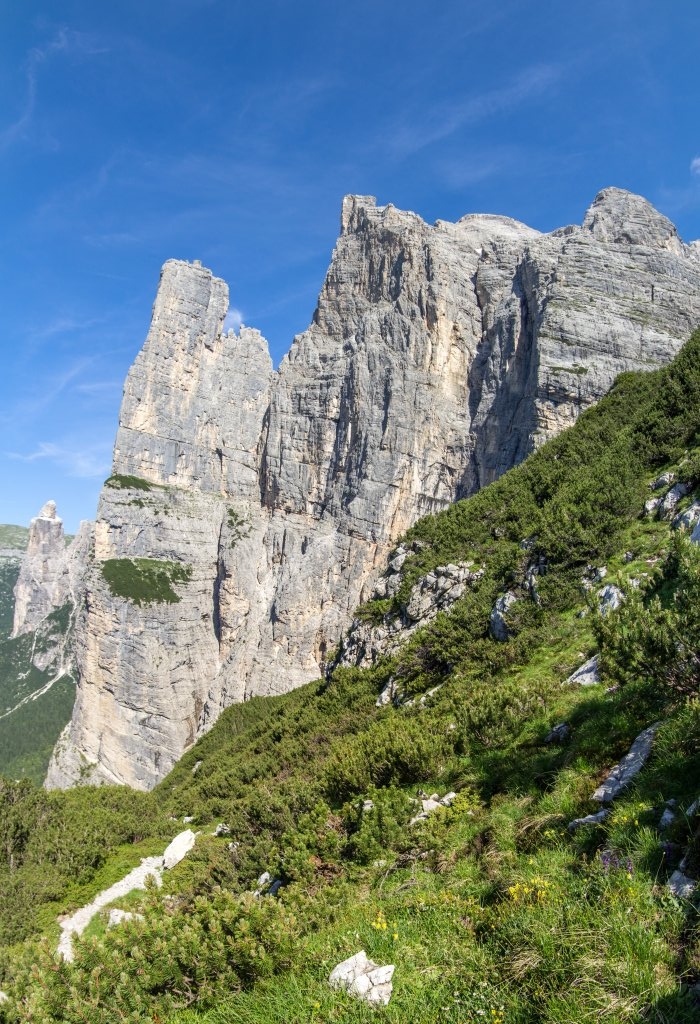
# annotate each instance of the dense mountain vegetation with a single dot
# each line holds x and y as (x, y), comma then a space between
(491, 908)
(35, 699)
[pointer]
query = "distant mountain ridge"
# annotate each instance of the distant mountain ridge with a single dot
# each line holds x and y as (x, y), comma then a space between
(249, 512)
(37, 690)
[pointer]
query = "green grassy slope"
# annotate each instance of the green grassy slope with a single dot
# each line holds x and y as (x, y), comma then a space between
(29, 732)
(14, 537)
(34, 704)
(491, 909)
(9, 571)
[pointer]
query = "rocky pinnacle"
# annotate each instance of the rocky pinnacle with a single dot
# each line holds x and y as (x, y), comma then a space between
(43, 583)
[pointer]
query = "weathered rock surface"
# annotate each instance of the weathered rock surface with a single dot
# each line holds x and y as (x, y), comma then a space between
(436, 591)
(52, 572)
(590, 819)
(498, 622)
(361, 977)
(622, 774)
(609, 598)
(668, 505)
(681, 885)
(431, 804)
(585, 675)
(178, 849)
(687, 519)
(438, 356)
(560, 733)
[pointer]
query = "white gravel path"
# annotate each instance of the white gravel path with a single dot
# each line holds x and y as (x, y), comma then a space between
(78, 922)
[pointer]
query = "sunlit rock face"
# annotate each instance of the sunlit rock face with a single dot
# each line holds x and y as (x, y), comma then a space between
(437, 358)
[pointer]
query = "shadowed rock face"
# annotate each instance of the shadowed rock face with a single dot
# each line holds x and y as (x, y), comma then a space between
(437, 358)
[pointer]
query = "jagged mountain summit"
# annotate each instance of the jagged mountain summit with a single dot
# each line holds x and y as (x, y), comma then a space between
(250, 511)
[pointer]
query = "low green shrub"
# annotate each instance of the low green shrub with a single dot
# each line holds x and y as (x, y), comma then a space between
(123, 481)
(145, 580)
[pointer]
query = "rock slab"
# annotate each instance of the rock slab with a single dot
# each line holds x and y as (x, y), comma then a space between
(626, 769)
(178, 849)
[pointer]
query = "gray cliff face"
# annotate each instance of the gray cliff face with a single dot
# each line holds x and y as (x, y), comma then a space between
(437, 358)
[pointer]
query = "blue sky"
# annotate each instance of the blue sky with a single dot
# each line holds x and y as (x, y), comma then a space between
(132, 132)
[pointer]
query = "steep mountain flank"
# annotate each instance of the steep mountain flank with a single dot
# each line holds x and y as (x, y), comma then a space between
(13, 544)
(249, 512)
(41, 583)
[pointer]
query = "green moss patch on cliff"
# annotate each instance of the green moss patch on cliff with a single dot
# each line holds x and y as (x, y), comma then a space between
(145, 580)
(124, 482)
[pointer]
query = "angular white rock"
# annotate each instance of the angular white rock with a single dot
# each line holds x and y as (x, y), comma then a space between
(668, 505)
(361, 977)
(590, 819)
(609, 598)
(625, 770)
(665, 480)
(585, 675)
(687, 519)
(498, 625)
(178, 848)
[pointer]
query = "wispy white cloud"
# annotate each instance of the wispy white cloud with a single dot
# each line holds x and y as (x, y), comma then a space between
(61, 325)
(99, 387)
(233, 321)
(65, 41)
(43, 394)
(695, 166)
(449, 118)
(90, 462)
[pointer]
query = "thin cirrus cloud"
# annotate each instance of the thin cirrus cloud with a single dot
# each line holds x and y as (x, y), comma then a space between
(65, 41)
(89, 463)
(450, 118)
(695, 166)
(26, 409)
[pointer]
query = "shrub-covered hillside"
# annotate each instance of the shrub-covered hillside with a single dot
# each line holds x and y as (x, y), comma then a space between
(492, 908)
(34, 705)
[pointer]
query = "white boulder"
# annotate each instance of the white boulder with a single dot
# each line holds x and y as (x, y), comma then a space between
(179, 848)
(361, 977)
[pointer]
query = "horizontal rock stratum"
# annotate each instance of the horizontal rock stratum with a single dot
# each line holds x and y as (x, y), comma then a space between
(437, 358)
